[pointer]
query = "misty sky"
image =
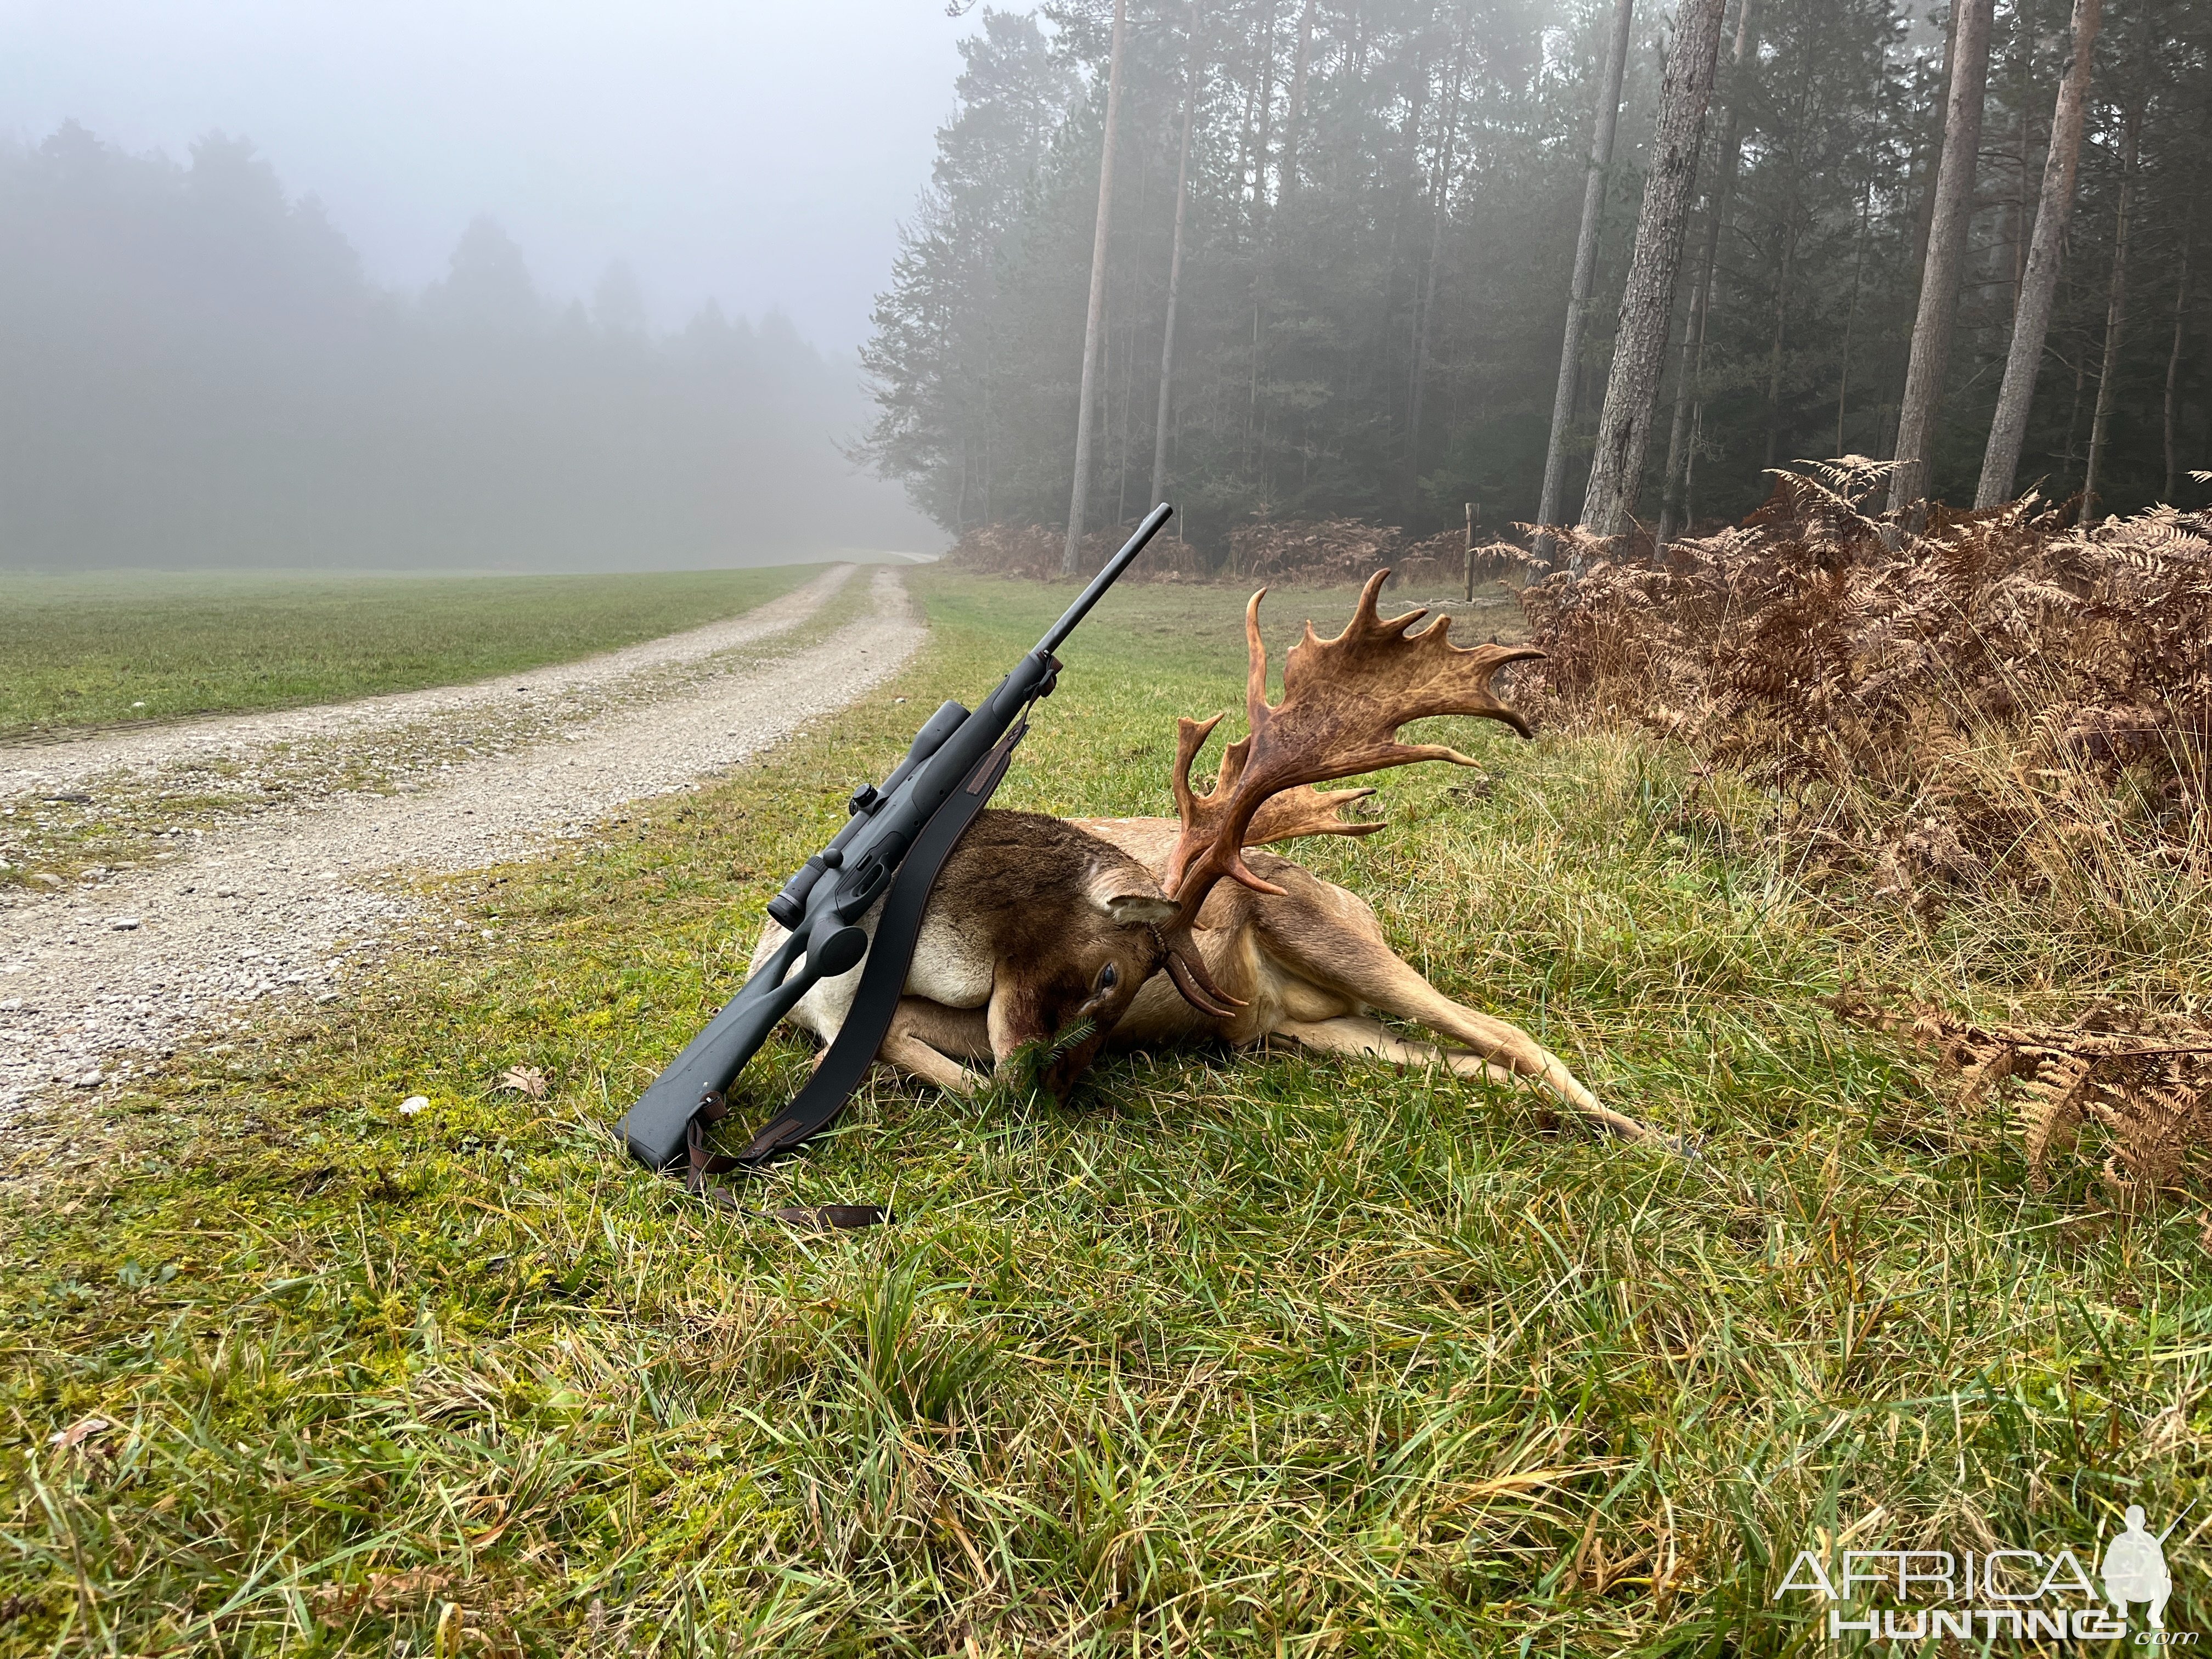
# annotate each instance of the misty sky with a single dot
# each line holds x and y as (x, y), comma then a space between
(762, 154)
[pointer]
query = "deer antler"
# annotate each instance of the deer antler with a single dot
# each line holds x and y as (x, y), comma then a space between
(1344, 699)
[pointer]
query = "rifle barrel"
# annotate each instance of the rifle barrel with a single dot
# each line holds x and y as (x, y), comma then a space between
(1057, 634)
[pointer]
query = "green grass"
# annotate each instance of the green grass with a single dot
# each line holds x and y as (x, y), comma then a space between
(78, 652)
(134, 815)
(1235, 1355)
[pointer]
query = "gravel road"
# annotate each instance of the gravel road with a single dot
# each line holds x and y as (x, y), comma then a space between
(112, 974)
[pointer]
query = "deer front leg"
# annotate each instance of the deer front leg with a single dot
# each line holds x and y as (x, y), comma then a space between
(1356, 1033)
(928, 1040)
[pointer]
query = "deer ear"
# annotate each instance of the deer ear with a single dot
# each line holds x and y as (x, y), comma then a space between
(1127, 909)
(1129, 897)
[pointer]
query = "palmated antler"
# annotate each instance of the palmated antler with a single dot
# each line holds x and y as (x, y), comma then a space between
(1344, 699)
(1281, 817)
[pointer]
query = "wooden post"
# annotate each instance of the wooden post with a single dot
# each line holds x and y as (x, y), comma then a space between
(1473, 518)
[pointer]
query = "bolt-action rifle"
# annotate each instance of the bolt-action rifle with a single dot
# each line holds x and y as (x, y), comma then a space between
(900, 833)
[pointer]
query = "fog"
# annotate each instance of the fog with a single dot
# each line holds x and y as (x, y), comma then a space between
(559, 286)
(586, 286)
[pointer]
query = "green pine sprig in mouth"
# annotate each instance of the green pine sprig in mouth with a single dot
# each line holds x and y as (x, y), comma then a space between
(1067, 1040)
(1034, 1057)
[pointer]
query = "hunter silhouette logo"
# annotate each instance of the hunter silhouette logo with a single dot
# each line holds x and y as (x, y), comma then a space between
(2023, 1595)
(2135, 1569)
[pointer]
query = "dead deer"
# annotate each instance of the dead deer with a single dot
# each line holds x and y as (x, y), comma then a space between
(1036, 940)
(1301, 957)
(1027, 906)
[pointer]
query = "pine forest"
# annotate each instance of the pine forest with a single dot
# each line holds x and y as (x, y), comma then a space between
(1342, 244)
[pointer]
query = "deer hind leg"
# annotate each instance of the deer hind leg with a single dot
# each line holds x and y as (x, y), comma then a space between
(1356, 1033)
(928, 1040)
(1347, 957)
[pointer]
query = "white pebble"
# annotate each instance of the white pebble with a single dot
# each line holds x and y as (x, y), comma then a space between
(413, 1104)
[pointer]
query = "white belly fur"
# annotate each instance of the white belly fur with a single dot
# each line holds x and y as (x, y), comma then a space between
(949, 967)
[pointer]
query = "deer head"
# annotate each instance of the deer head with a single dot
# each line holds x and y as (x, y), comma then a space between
(1065, 925)
(1086, 980)
(1344, 699)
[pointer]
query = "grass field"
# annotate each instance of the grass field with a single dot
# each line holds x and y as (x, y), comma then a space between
(90, 651)
(1236, 1356)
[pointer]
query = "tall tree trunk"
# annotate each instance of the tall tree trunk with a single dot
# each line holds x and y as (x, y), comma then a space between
(2207, 382)
(1266, 141)
(1077, 496)
(2173, 356)
(2071, 452)
(1263, 105)
(1251, 163)
(2116, 309)
(1440, 198)
(2024, 137)
(1674, 491)
(1774, 349)
(2038, 288)
(1175, 271)
(1925, 215)
(1647, 307)
(1252, 396)
(1294, 119)
(1690, 463)
(1851, 317)
(1117, 432)
(1947, 252)
(1570, 349)
(1678, 430)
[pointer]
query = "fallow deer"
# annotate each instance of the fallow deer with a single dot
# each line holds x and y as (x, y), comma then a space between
(1048, 932)
(1298, 956)
(1037, 936)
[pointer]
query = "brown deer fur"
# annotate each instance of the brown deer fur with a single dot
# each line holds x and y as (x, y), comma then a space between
(1309, 963)
(987, 981)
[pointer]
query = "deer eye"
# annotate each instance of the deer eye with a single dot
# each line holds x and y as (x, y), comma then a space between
(1108, 977)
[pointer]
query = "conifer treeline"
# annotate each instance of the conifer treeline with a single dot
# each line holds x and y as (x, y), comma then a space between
(1380, 232)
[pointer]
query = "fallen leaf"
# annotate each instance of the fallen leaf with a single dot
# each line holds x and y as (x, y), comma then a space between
(524, 1081)
(79, 1431)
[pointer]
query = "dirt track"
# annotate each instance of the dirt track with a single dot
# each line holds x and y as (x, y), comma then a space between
(107, 976)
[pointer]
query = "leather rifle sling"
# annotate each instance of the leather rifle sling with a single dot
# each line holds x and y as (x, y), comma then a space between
(875, 1002)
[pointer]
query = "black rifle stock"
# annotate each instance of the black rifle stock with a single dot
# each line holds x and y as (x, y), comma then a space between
(827, 897)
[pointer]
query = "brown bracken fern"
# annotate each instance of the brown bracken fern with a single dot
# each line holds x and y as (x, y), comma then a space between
(1996, 695)
(2149, 1092)
(2000, 701)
